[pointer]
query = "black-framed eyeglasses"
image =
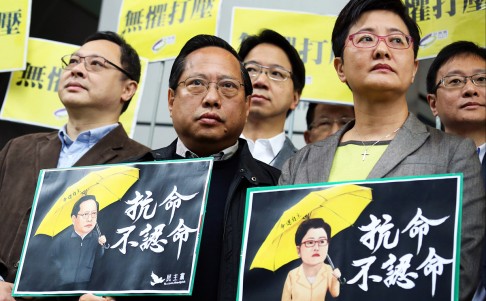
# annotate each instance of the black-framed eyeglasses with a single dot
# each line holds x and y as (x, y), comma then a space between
(275, 73)
(197, 86)
(92, 63)
(325, 124)
(459, 81)
(370, 40)
(86, 215)
(311, 243)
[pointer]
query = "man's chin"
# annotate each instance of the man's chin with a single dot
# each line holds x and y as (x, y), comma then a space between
(88, 230)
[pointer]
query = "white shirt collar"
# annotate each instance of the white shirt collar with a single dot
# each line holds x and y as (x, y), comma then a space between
(266, 150)
(225, 154)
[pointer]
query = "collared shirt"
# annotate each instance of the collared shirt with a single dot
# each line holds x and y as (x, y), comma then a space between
(72, 151)
(482, 152)
(266, 150)
(227, 153)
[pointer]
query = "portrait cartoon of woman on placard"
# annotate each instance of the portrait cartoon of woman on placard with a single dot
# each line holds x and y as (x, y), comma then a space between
(313, 278)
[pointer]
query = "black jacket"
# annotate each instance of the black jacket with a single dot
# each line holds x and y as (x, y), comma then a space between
(251, 173)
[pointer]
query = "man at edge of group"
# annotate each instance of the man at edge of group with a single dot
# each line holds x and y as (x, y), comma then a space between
(96, 86)
(456, 87)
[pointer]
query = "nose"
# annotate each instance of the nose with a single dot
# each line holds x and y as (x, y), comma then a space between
(470, 89)
(381, 50)
(212, 97)
(260, 81)
(79, 69)
(335, 126)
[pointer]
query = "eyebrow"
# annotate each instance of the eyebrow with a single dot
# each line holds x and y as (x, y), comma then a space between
(219, 77)
(271, 65)
(114, 61)
(314, 238)
(461, 72)
(389, 30)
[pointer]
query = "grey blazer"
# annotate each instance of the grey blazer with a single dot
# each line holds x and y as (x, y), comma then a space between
(287, 151)
(417, 149)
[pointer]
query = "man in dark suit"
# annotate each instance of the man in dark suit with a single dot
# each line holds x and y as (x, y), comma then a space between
(456, 87)
(278, 77)
(209, 100)
(96, 86)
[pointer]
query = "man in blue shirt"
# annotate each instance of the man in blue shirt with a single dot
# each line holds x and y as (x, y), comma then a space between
(96, 86)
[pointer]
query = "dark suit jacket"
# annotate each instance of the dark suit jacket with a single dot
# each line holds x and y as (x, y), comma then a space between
(251, 173)
(483, 269)
(416, 150)
(20, 162)
(287, 151)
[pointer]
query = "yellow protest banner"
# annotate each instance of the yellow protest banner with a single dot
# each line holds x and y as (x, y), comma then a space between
(32, 94)
(14, 31)
(310, 34)
(158, 29)
(444, 22)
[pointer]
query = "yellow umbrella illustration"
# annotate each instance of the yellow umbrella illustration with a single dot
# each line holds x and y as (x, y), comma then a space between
(107, 185)
(340, 206)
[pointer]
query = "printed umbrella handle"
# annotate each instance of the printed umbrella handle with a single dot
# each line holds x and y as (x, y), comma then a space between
(342, 280)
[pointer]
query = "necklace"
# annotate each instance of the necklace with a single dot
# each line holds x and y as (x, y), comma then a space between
(366, 153)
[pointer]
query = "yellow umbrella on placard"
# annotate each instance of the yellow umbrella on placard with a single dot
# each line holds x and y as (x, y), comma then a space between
(107, 185)
(339, 206)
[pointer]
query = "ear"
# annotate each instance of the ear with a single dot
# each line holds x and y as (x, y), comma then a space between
(73, 218)
(415, 68)
(295, 100)
(432, 100)
(298, 250)
(129, 90)
(339, 67)
(307, 137)
(170, 99)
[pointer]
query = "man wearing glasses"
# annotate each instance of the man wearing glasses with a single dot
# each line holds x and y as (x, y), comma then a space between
(456, 87)
(278, 77)
(324, 119)
(75, 250)
(209, 100)
(96, 86)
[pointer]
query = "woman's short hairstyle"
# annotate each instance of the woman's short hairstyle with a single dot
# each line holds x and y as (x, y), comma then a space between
(351, 13)
(312, 223)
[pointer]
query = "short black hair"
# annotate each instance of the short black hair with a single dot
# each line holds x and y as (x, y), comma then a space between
(202, 41)
(351, 13)
(311, 223)
(268, 36)
(130, 61)
(77, 205)
(453, 50)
